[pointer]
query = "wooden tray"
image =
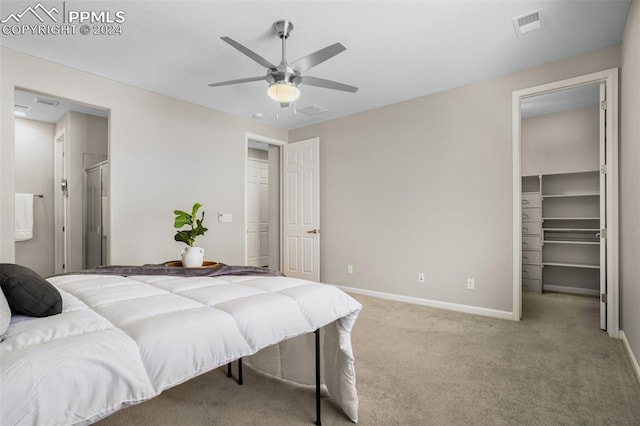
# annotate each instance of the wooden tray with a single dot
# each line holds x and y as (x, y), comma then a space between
(205, 264)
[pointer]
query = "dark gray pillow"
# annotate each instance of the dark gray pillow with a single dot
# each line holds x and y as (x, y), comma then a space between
(28, 293)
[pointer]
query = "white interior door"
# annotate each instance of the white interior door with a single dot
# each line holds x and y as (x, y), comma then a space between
(603, 208)
(257, 213)
(301, 204)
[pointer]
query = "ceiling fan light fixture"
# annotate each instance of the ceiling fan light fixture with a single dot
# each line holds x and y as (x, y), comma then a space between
(283, 92)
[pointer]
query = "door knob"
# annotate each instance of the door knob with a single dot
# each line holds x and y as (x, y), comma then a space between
(313, 231)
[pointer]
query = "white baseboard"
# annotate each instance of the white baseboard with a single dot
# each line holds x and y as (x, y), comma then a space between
(632, 357)
(431, 303)
(571, 290)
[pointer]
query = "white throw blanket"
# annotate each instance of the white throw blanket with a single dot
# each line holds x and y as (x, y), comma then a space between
(120, 341)
(24, 217)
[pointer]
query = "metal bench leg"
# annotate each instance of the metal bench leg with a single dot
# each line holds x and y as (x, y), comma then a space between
(240, 380)
(318, 421)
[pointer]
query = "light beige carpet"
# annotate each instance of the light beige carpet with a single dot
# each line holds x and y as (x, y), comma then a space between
(423, 366)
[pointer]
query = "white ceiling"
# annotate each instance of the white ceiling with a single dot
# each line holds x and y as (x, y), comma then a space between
(396, 50)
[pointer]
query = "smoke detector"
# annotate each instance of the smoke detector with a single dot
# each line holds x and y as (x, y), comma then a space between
(528, 22)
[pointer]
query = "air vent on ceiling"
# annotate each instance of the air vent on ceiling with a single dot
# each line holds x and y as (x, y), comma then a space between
(312, 110)
(21, 108)
(46, 101)
(528, 22)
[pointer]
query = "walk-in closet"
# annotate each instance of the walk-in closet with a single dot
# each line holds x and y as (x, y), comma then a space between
(563, 203)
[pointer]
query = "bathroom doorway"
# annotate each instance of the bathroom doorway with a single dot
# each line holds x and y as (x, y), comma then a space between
(56, 140)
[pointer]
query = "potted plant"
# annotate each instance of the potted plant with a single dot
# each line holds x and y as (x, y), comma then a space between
(192, 256)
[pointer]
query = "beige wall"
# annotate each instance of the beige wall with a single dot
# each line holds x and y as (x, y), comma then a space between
(564, 142)
(419, 186)
(165, 154)
(630, 181)
(34, 175)
(426, 186)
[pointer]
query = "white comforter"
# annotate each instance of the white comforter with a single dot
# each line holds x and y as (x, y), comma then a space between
(120, 341)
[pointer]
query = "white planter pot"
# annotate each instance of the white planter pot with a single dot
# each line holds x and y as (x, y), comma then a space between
(192, 257)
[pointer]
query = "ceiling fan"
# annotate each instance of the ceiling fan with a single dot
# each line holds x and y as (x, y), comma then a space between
(284, 79)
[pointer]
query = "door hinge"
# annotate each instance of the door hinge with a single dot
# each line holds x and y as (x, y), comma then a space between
(603, 169)
(603, 233)
(603, 105)
(603, 297)
(63, 229)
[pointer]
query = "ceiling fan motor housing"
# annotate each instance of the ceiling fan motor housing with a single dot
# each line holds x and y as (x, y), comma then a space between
(283, 28)
(283, 73)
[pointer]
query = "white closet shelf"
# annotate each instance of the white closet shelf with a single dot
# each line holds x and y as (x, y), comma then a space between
(572, 265)
(569, 242)
(572, 229)
(572, 290)
(570, 218)
(577, 194)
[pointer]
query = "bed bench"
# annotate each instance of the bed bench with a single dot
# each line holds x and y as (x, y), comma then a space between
(123, 340)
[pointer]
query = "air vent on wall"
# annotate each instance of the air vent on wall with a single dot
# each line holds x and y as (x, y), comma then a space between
(46, 101)
(312, 110)
(21, 108)
(528, 22)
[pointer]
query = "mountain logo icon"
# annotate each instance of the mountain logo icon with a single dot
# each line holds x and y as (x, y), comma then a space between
(39, 11)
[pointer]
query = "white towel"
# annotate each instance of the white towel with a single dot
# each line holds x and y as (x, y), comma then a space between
(24, 217)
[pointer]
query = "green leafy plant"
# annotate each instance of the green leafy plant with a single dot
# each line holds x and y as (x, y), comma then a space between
(185, 219)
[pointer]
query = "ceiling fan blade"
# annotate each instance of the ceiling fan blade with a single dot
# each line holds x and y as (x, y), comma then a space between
(250, 53)
(241, 80)
(328, 84)
(284, 104)
(317, 57)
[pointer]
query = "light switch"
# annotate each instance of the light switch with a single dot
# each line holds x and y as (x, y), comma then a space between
(225, 217)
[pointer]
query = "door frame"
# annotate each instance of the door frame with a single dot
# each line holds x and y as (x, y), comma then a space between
(269, 141)
(61, 206)
(610, 79)
(262, 161)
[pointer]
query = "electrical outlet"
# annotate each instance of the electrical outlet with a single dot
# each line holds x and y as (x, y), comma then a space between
(349, 269)
(471, 283)
(421, 277)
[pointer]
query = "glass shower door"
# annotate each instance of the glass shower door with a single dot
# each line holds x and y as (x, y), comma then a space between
(93, 218)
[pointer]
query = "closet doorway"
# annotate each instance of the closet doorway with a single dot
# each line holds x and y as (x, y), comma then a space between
(262, 206)
(55, 141)
(565, 191)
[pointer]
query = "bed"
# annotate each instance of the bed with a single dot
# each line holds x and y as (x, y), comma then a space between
(121, 340)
